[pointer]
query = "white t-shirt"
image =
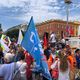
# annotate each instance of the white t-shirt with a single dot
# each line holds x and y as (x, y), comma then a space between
(22, 69)
(63, 41)
(62, 75)
(53, 38)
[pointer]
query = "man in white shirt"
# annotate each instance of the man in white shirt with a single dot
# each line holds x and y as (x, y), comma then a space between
(52, 38)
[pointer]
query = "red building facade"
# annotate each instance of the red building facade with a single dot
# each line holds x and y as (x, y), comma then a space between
(57, 26)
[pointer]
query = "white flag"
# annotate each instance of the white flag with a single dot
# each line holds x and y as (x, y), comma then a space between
(20, 37)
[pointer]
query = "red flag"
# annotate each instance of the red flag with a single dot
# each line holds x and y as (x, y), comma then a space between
(67, 31)
(63, 36)
(45, 41)
(71, 31)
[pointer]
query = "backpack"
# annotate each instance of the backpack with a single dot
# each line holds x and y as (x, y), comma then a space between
(16, 73)
(77, 76)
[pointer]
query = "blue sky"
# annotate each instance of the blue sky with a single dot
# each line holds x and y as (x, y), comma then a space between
(14, 12)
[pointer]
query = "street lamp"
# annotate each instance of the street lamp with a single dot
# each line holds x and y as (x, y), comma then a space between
(67, 2)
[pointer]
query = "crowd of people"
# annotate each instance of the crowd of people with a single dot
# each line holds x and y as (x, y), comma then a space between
(63, 62)
(14, 60)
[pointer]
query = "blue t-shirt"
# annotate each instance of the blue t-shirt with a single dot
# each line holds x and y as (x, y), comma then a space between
(78, 61)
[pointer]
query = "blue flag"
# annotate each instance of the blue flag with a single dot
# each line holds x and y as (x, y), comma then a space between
(31, 43)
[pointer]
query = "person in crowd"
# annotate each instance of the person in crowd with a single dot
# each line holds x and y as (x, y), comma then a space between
(13, 52)
(52, 38)
(18, 53)
(1, 56)
(8, 58)
(7, 70)
(63, 41)
(77, 53)
(52, 54)
(14, 41)
(62, 66)
(47, 51)
(72, 62)
(52, 59)
(29, 61)
(11, 47)
(22, 65)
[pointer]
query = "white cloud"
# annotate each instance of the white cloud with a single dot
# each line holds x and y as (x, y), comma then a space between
(78, 6)
(62, 2)
(57, 8)
(39, 16)
(53, 1)
(13, 3)
(40, 9)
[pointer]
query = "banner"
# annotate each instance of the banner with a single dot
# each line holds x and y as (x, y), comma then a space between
(31, 43)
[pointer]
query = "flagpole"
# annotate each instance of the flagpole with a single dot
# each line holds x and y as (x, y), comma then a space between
(67, 2)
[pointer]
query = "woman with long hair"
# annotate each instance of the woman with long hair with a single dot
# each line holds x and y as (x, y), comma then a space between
(63, 66)
(72, 61)
(63, 61)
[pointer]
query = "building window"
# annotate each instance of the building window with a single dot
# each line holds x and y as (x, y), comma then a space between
(76, 31)
(62, 26)
(58, 25)
(53, 25)
(47, 27)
